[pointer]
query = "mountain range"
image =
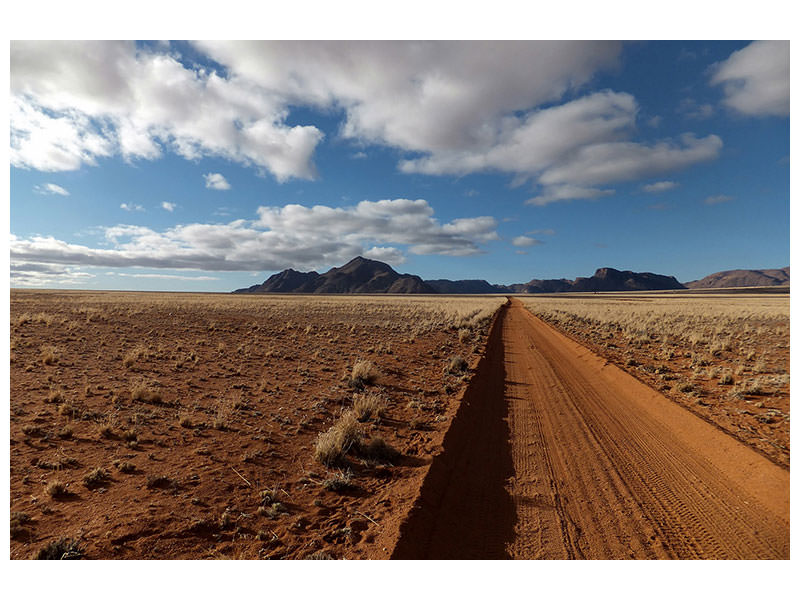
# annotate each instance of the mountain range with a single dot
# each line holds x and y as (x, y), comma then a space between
(365, 276)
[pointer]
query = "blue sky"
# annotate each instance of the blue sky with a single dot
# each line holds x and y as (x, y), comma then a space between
(210, 166)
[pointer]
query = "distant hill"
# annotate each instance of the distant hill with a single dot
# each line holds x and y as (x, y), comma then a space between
(611, 280)
(466, 286)
(364, 276)
(742, 278)
(359, 276)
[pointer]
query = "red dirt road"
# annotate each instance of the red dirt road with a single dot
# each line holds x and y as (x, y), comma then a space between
(556, 454)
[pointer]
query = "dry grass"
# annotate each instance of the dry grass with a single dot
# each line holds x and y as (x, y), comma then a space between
(61, 549)
(369, 404)
(95, 478)
(364, 373)
(717, 331)
(344, 435)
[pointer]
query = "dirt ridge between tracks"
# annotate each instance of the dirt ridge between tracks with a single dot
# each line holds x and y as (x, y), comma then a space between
(554, 453)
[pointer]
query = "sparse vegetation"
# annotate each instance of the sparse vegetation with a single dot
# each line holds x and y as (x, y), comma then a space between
(364, 373)
(368, 405)
(95, 478)
(456, 365)
(61, 549)
(130, 369)
(57, 489)
(344, 435)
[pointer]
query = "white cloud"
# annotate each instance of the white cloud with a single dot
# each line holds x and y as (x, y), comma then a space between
(168, 206)
(449, 107)
(755, 79)
(558, 193)
(33, 274)
(523, 241)
(659, 186)
(691, 109)
(165, 276)
(131, 207)
(50, 189)
(289, 236)
(215, 181)
(573, 147)
(74, 102)
(419, 96)
(719, 199)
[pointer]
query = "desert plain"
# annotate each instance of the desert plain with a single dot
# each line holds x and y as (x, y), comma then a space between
(148, 425)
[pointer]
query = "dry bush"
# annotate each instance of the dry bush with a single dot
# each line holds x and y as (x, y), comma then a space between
(57, 489)
(18, 522)
(124, 466)
(61, 549)
(49, 355)
(457, 365)
(95, 478)
(364, 373)
(144, 391)
(369, 404)
(344, 435)
(377, 449)
(341, 481)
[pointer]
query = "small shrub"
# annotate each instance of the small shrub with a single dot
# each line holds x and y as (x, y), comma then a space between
(320, 555)
(332, 446)
(18, 522)
(57, 489)
(61, 549)
(364, 373)
(339, 482)
(369, 404)
(49, 356)
(95, 478)
(161, 482)
(144, 392)
(464, 335)
(124, 466)
(379, 450)
(457, 365)
(726, 379)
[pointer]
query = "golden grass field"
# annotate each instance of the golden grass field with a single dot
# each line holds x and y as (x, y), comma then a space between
(725, 357)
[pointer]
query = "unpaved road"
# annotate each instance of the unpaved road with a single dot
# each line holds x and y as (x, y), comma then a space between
(555, 454)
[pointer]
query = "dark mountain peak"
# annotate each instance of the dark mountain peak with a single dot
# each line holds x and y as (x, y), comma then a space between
(358, 276)
(364, 265)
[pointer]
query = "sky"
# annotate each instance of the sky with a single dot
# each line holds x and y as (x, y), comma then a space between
(209, 166)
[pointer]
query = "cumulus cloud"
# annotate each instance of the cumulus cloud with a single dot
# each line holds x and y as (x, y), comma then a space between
(419, 96)
(719, 199)
(165, 276)
(755, 79)
(168, 206)
(659, 186)
(557, 193)
(50, 189)
(523, 241)
(451, 108)
(288, 236)
(216, 181)
(573, 147)
(74, 102)
(691, 109)
(33, 274)
(132, 207)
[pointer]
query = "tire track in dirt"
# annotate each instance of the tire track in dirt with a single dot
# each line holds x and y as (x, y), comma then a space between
(555, 454)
